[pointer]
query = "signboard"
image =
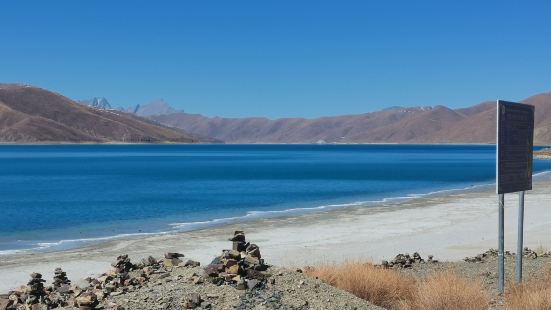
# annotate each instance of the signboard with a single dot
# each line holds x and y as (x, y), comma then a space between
(515, 139)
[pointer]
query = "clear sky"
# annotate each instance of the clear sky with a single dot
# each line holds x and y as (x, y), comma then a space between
(280, 58)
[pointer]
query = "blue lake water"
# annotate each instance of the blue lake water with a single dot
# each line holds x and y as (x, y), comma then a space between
(58, 196)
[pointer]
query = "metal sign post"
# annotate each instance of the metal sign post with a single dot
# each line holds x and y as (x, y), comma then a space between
(501, 244)
(520, 237)
(515, 139)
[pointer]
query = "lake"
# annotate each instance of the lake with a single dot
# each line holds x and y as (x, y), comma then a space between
(61, 196)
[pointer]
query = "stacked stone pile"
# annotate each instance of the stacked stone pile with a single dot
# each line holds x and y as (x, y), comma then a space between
(61, 283)
(493, 253)
(32, 296)
(407, 261)
(35, 292)
(242, 266)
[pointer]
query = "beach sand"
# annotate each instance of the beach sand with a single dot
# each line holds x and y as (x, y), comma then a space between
(449, 227)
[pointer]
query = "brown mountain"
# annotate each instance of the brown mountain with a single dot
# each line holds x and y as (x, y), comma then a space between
(438, 124)
(29, 114)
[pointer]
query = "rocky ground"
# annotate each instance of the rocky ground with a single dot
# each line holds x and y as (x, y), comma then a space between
(237, 279)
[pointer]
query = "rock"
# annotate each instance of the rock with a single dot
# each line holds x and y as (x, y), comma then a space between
(252, 284)
(87, 299)
(213, 270)
(206, 305)
(233, 270)
(241, 285)
(193, 301)
(239, 246)
(122, 264)
(192, 263)
(171, 262)
(170, 255)
(253, 250)
(150, 261)
(238, 235)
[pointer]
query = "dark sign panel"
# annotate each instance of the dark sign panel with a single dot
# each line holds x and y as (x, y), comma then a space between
(515, 139)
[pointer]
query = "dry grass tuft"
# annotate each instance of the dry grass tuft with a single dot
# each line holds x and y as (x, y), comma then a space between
(531, 295)
(382, 287)
(392, 289)
(447, 290)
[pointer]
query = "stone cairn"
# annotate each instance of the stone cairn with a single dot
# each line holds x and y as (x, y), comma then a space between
(493, 253)
(61, 283)
(407, 261)
(242, 266)
(35, 291)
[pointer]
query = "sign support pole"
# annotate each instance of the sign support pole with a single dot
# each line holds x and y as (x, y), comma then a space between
(520, 238)
(501, 246)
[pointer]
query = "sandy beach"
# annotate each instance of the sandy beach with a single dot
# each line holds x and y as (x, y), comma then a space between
(449, 227)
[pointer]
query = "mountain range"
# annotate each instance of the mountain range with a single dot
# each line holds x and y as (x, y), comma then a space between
(34, 115)
(29, 114)
(439, 124)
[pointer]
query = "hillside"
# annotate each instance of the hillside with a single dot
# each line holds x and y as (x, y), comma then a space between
(438, 124)
(29, 114)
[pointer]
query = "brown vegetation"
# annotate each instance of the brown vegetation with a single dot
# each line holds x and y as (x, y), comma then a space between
(395, 290)
(534, 294)
(447, 290)
(382, 287)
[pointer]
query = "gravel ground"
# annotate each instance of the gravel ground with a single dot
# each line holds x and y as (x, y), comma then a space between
(287, 290)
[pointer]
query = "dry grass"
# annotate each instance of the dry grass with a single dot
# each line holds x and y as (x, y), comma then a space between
(385, 288)
(541, 249)
(447, 290)
(531, 295)
(394, 290)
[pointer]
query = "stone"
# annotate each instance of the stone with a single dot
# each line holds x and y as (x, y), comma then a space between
(259, 275)
(193, 301)
(238, 235)
(253, 250)
(213, 270)
(233, 269)
(87, 299)
(251, 261)
(149, 261)
(206, 305)
(171, 262)
(170, 255)
(239, 246)
(241, 285)
(122, 264)
(252, 284)
(192, 263)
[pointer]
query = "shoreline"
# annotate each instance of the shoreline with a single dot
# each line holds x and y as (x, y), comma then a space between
(449, 227)
(251, 216)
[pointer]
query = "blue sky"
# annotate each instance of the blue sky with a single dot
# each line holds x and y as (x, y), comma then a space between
(280, 58)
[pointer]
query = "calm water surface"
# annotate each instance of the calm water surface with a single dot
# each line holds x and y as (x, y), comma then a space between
(55, 196)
